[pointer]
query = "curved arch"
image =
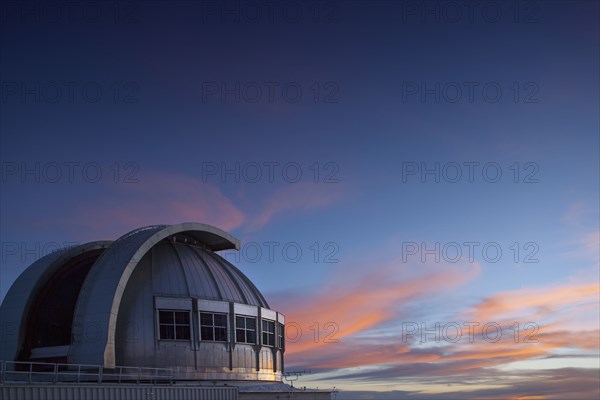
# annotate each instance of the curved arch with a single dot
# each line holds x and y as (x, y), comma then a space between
(17, 304)
(96, 312)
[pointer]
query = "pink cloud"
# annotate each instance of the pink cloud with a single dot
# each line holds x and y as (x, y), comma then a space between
(367, 309)
(575, 213)
(162, 198)
(536, 303)
(295, 198)
(348, 307)
(592, 243)
(158, 198)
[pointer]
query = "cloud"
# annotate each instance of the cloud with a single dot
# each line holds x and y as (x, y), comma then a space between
(564, 383)
(356, 304)
(368, 310)
(158, 198)
(295, 198)
(578, 214)
(534, 302)
(592, 243)
(110, 210)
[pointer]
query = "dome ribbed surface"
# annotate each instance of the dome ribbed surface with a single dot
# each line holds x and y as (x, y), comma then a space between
(191, 271)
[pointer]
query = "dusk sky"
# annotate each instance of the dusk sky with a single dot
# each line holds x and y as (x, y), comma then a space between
(415, 184)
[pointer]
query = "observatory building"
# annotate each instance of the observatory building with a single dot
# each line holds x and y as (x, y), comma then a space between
(157, 299)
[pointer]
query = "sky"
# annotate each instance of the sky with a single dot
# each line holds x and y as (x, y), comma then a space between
(415, 183)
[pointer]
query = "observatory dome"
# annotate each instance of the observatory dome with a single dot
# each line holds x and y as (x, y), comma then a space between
(157, 297)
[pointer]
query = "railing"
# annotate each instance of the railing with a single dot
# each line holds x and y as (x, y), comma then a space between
(37, 372)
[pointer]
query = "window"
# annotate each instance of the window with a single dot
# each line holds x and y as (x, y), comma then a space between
(245, 329)
(281, 336)
(213, 327)
(268, 332)
(174, 325)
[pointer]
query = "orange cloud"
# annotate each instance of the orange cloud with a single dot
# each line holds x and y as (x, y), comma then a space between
(537, 302)
(345, 309)
(367, 311)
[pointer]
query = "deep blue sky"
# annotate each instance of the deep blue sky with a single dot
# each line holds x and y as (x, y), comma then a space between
(378, 96)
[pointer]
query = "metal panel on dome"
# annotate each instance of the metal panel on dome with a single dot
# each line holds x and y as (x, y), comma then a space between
(228, 286)
(253, 295)
(201, 281)
(250, 292)
(170, 281)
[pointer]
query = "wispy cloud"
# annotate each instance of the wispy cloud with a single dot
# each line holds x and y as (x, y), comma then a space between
(369, 309)
(158, 198)
(110, 210)
(564, 383)
(591, 243)
(578, 214)
(351, 306)
(537, 303)
(294, 199)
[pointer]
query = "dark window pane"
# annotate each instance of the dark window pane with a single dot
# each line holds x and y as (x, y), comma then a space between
(269, 326)
(206, 333)
(240, 336)
(165, 317)
(166, 332)
(250, 337)
(240, 322)
(182, 317)
(250, 323)
(182, 332)
(206, 319)
(221, 334)
(220, 320)
(269, 339)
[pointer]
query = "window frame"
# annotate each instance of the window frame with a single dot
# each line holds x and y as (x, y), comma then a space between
(280, 336)
(174, 325)
(268, 333)
(245, 329)
(213, 326)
